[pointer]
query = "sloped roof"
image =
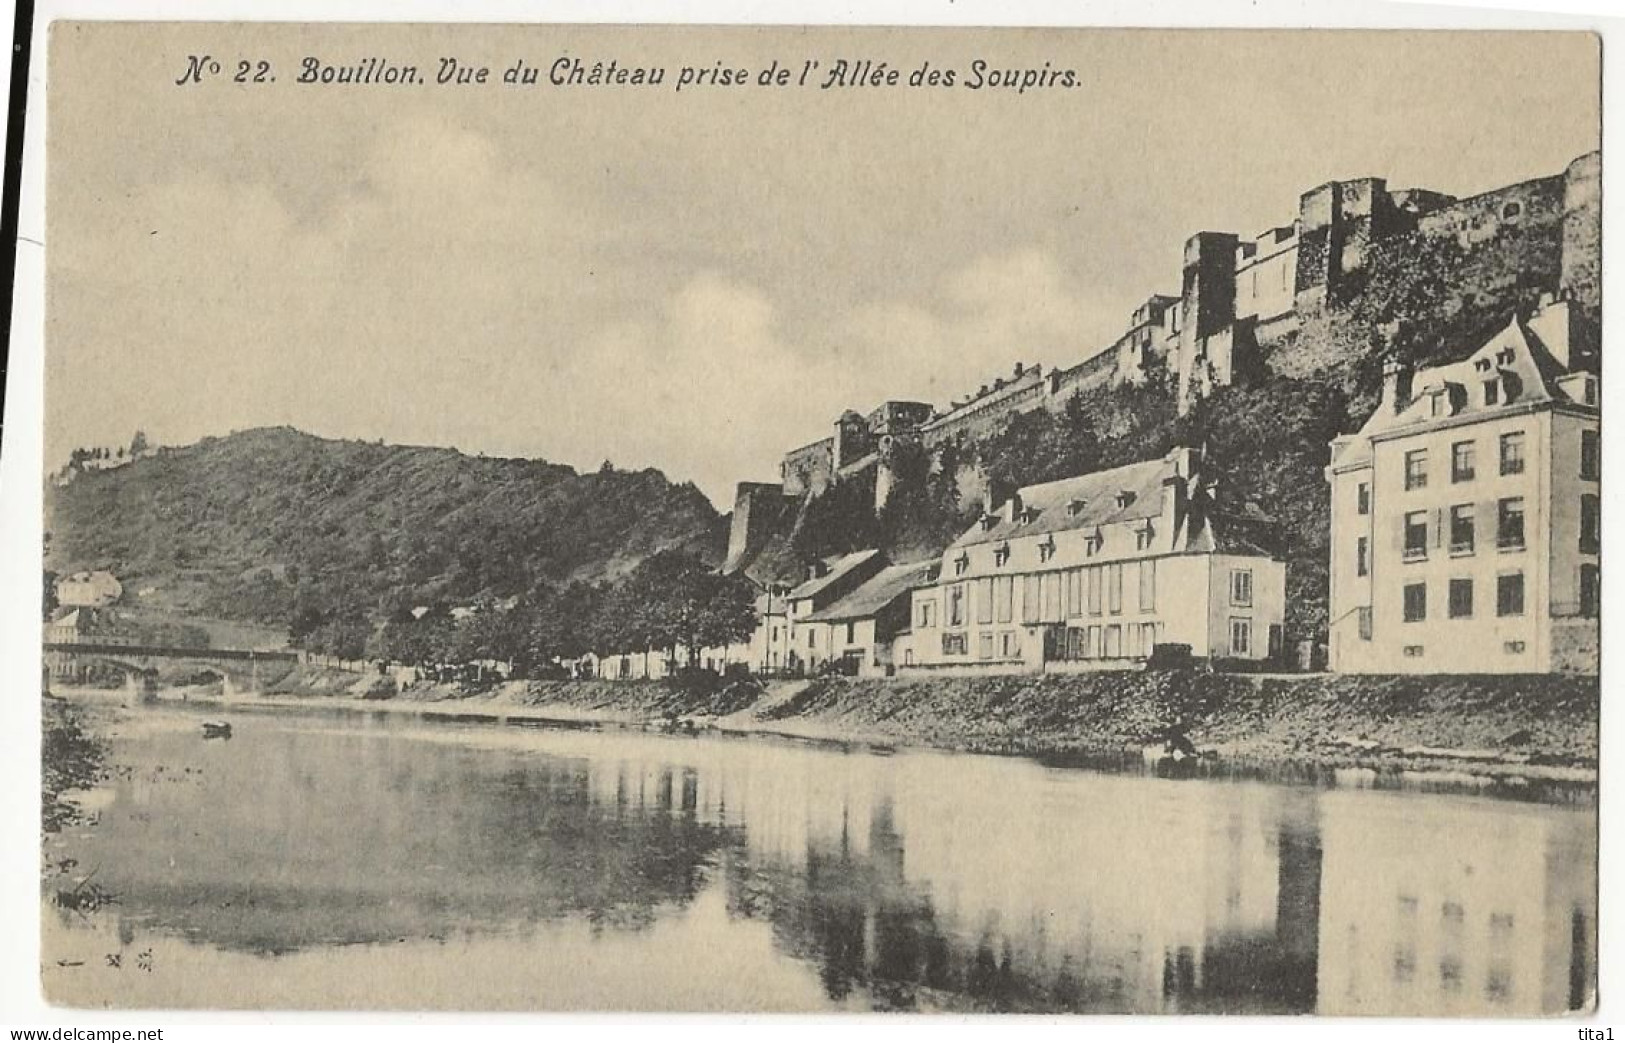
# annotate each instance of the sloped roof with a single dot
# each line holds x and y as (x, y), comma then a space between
(881, 590)
(1097, 495)
(839, 568)
(1219, 532)
(1529, 378)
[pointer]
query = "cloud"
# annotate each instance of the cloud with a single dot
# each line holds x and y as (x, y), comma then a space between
(715, 389)
(997, 309)
(420, 298)
(446, 294)
(709, 389)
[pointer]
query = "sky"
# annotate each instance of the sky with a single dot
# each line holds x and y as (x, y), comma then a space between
(700, 280)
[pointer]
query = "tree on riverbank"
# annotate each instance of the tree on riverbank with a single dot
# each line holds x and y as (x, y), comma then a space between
(673, 600)
(70, 759)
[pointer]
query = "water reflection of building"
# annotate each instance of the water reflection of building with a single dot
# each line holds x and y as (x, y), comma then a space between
(1150, 895)
(923, 879)
(1452, 908)
(929, 880)
(913, 881)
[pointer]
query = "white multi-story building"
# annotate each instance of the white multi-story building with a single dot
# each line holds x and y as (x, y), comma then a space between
(1095, 572)
(1466, 514)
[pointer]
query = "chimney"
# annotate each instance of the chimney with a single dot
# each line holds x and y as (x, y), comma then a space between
(1184, 460)
(1020, 369)
(996, 496)
(1550, 325)
(1012, 507)
(1173, 502)
(1396, 387)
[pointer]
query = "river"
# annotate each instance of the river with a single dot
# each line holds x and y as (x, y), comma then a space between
(327, 860)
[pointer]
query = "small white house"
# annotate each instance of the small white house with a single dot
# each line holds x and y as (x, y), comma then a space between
(96, 589)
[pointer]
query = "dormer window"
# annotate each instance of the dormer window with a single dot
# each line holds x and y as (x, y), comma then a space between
(1028, 516)
(1447, 399)
(1505, 356)
(1001, 554)
(1046, 550)
(961, 563)
(1094, 543)
(1076, 507)
(1482, 365)
(1492, 392)
(1144, 536)
(1124, 498)
(989, 521)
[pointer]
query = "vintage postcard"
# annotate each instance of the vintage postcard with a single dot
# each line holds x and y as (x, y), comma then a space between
(740, 519)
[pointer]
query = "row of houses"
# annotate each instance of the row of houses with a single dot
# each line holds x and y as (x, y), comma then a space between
(1088, 573)
(1465, 536)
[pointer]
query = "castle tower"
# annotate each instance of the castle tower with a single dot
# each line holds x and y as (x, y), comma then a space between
(1337, 224)
(1582, 231)
(893, 426)
(852, 440)
(761, 511)
(1207, 312)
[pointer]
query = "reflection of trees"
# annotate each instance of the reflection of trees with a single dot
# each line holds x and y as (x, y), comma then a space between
(853, 916)
(615, 865)
(436, 843)
(1072, 892)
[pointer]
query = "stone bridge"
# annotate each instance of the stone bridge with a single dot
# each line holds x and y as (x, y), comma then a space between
(239, 669)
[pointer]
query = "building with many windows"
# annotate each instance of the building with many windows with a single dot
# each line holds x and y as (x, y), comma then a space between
(810, 648)
(857, 633)
(1466, 518)
(1097, 571)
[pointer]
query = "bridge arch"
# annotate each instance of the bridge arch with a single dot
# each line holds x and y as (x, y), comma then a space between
(241, 670)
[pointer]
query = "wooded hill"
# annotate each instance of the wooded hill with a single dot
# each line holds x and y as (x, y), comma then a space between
(272, 523)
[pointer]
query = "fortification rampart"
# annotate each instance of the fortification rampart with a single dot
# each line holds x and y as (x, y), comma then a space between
(1288, 299)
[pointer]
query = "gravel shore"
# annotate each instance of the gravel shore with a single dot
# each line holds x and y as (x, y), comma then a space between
(1471, 731)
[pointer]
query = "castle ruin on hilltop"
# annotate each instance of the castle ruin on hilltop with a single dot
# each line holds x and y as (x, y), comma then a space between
(1254, 302)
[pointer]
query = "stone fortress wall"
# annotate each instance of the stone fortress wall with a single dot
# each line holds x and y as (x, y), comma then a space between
(1245, 299)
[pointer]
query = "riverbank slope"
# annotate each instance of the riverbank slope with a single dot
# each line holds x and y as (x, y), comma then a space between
(1536, 726)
